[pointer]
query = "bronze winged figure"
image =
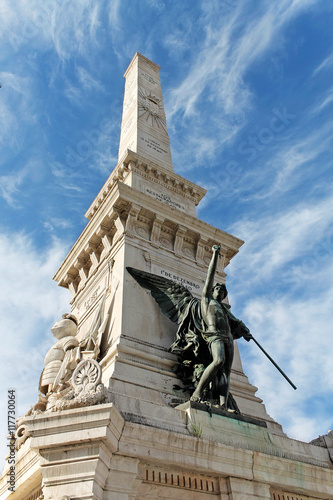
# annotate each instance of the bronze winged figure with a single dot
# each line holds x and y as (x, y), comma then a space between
(204, 339)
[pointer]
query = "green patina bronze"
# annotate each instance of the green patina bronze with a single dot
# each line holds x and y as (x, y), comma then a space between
(204, 339)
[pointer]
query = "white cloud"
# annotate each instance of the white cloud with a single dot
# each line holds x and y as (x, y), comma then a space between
(325, 101)
(325, 64)
(296, 333)
(87, 81)
(15, 109)
(216, 80)
(70, 27)
(29, 306)
(230, 48)
(9, 187)
(276, 240)
(281, 287)
(278, 168)
(289, 162)
(54, 223)
(114, 13)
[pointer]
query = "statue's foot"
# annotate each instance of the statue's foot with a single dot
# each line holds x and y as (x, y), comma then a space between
(195, 399)
(225, 408)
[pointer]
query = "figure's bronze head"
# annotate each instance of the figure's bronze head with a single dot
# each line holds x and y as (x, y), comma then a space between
(220, 291)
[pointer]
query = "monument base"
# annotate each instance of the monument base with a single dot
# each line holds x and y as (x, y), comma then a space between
(94, 453)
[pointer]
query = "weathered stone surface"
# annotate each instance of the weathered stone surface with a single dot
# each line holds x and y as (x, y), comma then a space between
(143, 127)
(139, 446)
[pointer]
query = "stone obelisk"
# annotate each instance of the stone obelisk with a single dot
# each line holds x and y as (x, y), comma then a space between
(118, 426)
(143, 127)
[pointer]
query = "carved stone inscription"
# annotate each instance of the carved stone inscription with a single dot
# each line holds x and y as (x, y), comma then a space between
(164, 198)
(91, 299)
(148, 78)
(189, 284)
(153, 145)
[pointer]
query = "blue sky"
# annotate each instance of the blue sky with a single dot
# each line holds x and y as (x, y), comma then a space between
(248, 95)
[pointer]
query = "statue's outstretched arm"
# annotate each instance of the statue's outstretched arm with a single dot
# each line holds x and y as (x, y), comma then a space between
(238, 328)
(208, 288)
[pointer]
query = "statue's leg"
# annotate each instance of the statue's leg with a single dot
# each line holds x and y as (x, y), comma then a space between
(219, 356)
(224, 379)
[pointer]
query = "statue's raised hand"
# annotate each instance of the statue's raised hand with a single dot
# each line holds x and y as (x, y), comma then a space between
(216, 248)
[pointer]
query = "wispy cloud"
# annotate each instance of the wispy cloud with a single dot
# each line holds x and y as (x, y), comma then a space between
(288, 330)
(327, 63)
(29, 306)
(230, 48)
(78, 88)
(328, 98)
(9, 186)
(68, 27)
(87, 81)
(54, 223)
(216, 79)
(276, 240)
(15, 108)
(288, 163)
(281, 287)
(114, 13)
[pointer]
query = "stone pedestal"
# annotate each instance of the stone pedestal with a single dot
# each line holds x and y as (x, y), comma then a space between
(95, 453)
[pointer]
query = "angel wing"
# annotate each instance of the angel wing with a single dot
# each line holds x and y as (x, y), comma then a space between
(172, 298)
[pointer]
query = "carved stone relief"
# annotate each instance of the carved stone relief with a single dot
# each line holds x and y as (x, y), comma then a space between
(72, 375)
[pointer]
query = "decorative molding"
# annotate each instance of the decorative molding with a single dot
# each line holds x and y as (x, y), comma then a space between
(87, 388)
(177, 479)
(37, 494)
(21, 434)
(127, 199)
(132, 162)
(284, 495)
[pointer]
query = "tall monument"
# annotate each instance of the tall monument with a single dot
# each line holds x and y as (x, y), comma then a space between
(113, 419)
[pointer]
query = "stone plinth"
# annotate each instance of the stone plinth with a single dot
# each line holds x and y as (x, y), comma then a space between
(95, 453)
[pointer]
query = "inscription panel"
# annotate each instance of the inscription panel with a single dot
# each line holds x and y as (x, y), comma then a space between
(148, 78)
(88, 303)
(129, 101)
(192, 284)
(163, 198)
(153, 145)
(153, 148)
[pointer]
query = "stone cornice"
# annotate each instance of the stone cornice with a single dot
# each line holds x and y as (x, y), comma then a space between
(115, 211)
(151, 171)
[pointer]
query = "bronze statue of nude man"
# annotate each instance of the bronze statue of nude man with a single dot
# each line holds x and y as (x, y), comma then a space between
(217, 334)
